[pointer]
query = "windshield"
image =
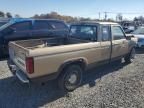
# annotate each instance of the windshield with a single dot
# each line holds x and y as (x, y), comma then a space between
(5, 25)
(139, 31)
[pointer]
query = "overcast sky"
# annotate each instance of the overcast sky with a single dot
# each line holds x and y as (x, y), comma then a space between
(84, 8)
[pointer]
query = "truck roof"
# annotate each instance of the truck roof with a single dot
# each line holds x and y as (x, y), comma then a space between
(94, 22)
(30, 19)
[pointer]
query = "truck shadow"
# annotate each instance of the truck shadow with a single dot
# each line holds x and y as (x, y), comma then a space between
(140, 51)
(4, 58)
(13, 94)
(97, 73)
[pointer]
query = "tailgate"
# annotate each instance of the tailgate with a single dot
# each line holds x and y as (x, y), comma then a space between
(18, 54)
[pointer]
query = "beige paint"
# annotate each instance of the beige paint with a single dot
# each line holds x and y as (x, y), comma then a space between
(120, 47)
(48, 60)
(51, 63)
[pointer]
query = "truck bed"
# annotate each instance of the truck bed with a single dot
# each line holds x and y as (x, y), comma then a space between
(20, 50)
(51, 42)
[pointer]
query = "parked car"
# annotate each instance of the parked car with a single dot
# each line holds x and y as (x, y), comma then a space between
(139, 34)
(65, 58)
(128, 26)
(23, 29)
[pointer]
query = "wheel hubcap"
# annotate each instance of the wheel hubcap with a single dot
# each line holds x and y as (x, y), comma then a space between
(72, 79)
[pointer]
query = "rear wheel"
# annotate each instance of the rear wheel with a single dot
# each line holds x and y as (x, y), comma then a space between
(71, 78)
(131, 56)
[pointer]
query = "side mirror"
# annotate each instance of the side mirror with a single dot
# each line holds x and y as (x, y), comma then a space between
(129, 36)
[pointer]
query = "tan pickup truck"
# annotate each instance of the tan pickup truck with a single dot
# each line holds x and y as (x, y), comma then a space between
(65, 58)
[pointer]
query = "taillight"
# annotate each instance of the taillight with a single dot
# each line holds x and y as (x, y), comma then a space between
(30, 65)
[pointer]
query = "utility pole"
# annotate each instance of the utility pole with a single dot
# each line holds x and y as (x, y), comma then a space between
(99, 16)
(105, 15)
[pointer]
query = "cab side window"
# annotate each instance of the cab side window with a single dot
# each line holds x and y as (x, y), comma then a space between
(41, 25)
(117, 33)
(58, 25)
(22, 26)
(105, 33)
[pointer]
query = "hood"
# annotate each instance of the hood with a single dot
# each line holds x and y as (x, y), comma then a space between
(138, 36)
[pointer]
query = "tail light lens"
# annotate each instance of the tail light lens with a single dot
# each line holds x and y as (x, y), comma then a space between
(30, 65)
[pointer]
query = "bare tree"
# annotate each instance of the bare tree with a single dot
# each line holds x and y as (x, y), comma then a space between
(17, 16)
(119, 17)
(2, 14)
(8, 15)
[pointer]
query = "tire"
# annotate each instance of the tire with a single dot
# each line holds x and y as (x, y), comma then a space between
(131, 56)
(71, 78)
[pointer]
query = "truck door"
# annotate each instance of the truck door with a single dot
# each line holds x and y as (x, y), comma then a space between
(119, 42)
(105, 43)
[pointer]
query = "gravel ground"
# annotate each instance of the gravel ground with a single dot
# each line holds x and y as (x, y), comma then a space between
(110, 86)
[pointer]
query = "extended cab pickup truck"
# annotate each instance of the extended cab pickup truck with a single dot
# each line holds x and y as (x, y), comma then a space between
(65, 58)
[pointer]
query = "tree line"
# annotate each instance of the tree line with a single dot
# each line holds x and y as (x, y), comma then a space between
(8, 15)
(55, 15)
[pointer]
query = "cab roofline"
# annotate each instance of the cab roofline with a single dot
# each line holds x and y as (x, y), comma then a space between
(30, 19)
(93, 23)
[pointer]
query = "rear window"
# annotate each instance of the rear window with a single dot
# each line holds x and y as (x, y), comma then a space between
(84, 32)
(40, 25)
(58, 25)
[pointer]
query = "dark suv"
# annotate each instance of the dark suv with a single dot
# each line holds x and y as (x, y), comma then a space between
(23, 29)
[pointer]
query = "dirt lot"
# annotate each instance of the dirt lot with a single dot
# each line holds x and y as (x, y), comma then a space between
(111, 86)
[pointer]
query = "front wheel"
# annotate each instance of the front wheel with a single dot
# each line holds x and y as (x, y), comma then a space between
(131, 56)
(71, 78)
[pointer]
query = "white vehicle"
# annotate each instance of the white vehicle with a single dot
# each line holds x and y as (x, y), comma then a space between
(139, 34)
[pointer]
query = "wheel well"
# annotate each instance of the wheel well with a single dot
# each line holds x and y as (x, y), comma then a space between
(81, 63)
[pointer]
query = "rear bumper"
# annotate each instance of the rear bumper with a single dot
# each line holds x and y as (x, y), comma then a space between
(25, 79)
(18, 73)
(22, 77)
